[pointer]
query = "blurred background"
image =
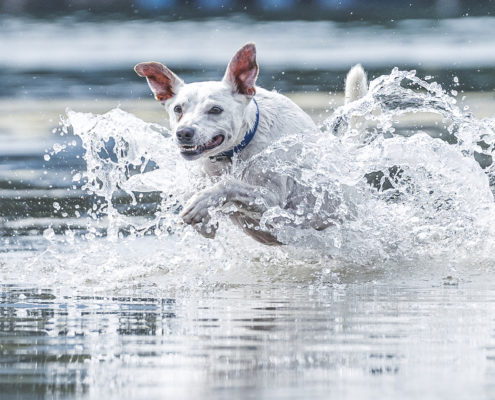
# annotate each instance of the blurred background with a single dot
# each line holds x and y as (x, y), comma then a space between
(87, 48)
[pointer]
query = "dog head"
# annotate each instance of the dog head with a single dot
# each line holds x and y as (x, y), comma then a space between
(207, 118)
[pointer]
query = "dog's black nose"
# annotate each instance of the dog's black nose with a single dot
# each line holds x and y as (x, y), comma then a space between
(185, 135)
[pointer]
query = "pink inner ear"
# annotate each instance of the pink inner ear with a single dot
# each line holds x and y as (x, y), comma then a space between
(243, 70)
(159, 79)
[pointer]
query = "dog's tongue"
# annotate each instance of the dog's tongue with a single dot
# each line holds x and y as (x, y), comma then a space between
(215, 142)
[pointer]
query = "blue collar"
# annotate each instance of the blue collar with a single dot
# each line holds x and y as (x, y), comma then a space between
(247, 138)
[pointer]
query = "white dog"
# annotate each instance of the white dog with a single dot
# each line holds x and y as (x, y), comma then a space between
(216, 121)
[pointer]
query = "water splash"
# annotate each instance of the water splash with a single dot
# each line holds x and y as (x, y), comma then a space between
(400, 196)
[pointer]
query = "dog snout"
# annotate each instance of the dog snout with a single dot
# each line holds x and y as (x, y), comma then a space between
(185, 135)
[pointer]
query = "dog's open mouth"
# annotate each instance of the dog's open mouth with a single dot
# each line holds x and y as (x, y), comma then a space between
(195, 150)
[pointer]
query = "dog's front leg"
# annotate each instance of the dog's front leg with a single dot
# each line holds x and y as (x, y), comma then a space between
(196, 211)
(248, 197)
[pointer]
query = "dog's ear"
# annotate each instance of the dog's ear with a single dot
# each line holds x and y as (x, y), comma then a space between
(162, 82)
(243, 70)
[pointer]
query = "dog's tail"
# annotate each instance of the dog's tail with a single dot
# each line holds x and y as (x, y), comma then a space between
(356, 84)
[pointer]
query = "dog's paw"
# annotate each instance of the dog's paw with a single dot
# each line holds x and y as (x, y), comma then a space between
(207, 229)
(197, 209)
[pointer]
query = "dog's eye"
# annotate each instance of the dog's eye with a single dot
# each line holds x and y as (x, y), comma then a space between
(178, 109)
(215, 110)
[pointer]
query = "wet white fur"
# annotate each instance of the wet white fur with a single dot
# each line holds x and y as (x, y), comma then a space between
(278, 116)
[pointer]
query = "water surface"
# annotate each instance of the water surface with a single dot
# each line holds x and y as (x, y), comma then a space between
(432, 340)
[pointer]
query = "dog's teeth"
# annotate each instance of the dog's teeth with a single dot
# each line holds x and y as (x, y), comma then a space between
(189, 148)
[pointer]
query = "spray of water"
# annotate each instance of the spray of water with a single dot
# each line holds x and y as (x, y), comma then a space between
(400, 197)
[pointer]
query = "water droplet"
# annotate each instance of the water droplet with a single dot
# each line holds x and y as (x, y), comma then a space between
(49, 233)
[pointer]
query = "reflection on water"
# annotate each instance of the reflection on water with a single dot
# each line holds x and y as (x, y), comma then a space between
(344, 341)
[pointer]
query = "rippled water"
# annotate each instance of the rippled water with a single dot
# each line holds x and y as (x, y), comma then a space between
(345, 341)
(105, 294)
